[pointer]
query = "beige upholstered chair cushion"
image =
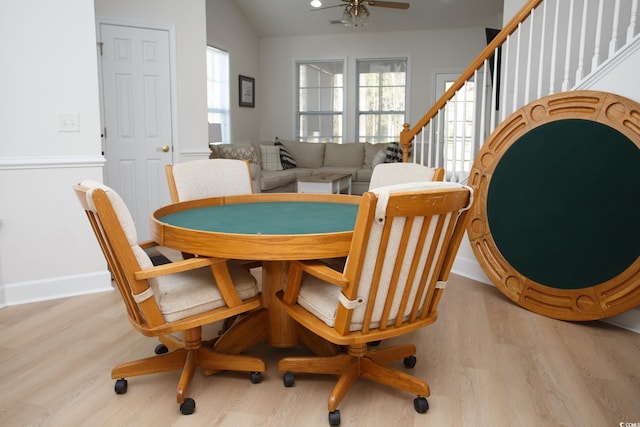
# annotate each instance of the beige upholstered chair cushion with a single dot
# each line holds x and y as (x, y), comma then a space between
(398, 173)
(198, 179)
(183, 294)
(322, 298)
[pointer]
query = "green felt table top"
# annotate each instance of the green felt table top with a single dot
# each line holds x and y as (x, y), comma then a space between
(272, 218)
(564, 204)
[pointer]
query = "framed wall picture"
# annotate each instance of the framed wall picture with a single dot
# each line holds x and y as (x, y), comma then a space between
(247, 91)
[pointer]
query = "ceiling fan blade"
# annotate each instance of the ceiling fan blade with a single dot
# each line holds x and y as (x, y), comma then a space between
(327, 7)
(391, 4)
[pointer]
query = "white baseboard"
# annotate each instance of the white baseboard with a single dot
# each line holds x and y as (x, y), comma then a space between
(629, 320)
(470, 268)
(57, 287)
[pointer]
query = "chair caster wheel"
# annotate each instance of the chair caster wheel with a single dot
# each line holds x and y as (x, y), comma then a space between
(410, 362)
(288, 379)
(256, 377)
(334, 418)
(121, 386)
(420, 404)
(161, 349)
(188, 406)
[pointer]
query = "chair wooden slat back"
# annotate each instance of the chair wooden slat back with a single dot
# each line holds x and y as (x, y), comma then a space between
(120, 258)
(405, 239)
(398, 263)
(180, 296)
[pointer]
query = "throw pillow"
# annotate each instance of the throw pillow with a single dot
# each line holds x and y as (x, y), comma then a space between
(379, 158)
(287, 160)
(394, 152)
(237, 151)
(270, 158)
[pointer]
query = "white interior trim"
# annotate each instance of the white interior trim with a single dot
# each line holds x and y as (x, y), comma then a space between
(44, 162)
(57, 287)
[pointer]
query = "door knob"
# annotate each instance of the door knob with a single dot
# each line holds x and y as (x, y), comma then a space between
(165, 148)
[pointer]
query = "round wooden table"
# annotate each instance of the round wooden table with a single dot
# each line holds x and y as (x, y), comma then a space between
(273, 228)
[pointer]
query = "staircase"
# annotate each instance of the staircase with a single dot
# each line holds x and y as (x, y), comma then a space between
(549, 46)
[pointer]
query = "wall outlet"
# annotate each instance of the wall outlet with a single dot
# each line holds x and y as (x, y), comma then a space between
(68, 122)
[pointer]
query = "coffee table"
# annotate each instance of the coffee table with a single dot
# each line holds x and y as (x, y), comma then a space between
(329, 183)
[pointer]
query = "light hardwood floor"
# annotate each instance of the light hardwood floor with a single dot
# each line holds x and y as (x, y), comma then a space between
(488, 362)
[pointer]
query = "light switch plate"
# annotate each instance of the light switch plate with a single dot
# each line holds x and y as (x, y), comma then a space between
(68, 122)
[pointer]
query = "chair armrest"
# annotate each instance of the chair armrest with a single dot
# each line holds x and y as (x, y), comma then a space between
(176, 267)
(323, 272)
(147, 244)
(316, 269)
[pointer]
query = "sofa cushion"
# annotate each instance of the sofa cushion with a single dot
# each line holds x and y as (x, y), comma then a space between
(370, 151)
(274, 179)
(344, 155)
(307, 154)
(379, 158)
(342, 170)
(364, 175)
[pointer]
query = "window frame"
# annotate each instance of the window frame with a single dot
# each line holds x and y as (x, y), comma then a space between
(221, 112)
(380, 113)
(337, 136)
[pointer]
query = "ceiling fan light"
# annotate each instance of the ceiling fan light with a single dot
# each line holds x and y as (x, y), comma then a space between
(347, 18)
(363, 16)
(316, 3)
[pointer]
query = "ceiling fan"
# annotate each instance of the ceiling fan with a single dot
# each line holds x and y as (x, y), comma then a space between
(356, 12)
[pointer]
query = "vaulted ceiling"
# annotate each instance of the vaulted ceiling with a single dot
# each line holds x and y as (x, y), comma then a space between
(272, 18)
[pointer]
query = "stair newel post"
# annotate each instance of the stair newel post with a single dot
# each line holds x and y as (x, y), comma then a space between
(405, 141)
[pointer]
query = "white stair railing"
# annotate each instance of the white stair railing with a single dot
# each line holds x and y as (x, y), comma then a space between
(548, 47)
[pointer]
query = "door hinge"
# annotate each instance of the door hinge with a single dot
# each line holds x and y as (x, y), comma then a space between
(100, 44)
(104, 133)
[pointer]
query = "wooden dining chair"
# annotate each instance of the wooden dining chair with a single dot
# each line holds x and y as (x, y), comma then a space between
(181, 296)
(202, 178)
(401, 173)
(404, 243)
(198, 179)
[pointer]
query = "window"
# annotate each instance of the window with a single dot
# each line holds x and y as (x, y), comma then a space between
(381, 99)
(218, 90)
(320, 103)
(459, 125)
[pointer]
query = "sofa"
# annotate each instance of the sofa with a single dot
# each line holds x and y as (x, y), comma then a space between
(277, 165)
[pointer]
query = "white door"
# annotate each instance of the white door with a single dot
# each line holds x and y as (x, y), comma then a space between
(136, 102)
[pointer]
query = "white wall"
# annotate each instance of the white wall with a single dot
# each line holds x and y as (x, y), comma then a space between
(227, 29)
(427, 52)
(48, 67)
(614, 78)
